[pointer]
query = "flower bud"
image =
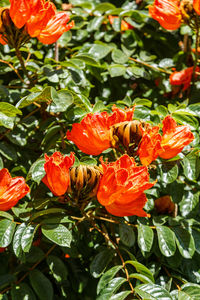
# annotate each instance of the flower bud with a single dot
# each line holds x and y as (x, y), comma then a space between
(128, 134)
(84, 181)
(5, 18)
(187, 11)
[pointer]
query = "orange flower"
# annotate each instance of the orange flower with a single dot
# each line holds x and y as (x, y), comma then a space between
(174, 138)
(40, 19)
(122, 186)
(92, 135)
(56, 26)
(124, 25)
(167, 13)
(183, 77)
(196, 6)
(11, 189)
(41, 12)
(150, 145)
(57, 172)
(20, 11)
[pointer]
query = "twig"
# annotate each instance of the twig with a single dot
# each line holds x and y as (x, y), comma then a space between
(21, 60)
(11, 66)
(150, 66)
(31, 269)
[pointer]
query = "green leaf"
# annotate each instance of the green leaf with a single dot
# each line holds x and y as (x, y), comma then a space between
(119, 57)
(135, 71)
(7, 229)
(152, 292)
(162, 110)
(44, 96)
(169, 172)
(192, 290)
(195, 108)
(103, 7)
(58, 234)
(112, 286)
(61, 101)
(27, 237)
(116, 70)
(8, 151)
(37, 171)
(121, 295)
(127, 235)
(140, 268)
(88, 59)
(95, 23)
(106, 277)
(100, 51)
(145, 237)
(17, 247)
(140, 277)
(166, 240)
(6, 215)
(191, 165)
(9, 109)
(57, 267)
(186, 120)
(5, 121)
(22, 292)
(41, 285)
(189, 204)
(196, 237)
(184, 241)
(100, 262)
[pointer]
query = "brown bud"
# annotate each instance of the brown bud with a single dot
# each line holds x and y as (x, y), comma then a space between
(84, 181)
(164, 205)
(5, 17)
(128, 134)
(2, 28)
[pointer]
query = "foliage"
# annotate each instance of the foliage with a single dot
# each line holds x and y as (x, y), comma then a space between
(58, 248)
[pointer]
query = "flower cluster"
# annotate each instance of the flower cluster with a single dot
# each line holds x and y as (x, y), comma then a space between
(119, 187)
(36, 18)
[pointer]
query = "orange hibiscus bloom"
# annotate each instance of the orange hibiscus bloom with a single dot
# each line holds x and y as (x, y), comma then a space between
(124, 25)
(41, 12)
(122, 186)
(167, 13)
(150, 145)
(11, 189)
(40, 19)
(92, 135)
(57, 172)
(174, 138)
(20, 11)
(183, 77)
(55, 28)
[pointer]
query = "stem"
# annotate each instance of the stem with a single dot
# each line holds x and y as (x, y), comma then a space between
(32, 268)
(149, 66)
(21, 60)
(56, 51)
